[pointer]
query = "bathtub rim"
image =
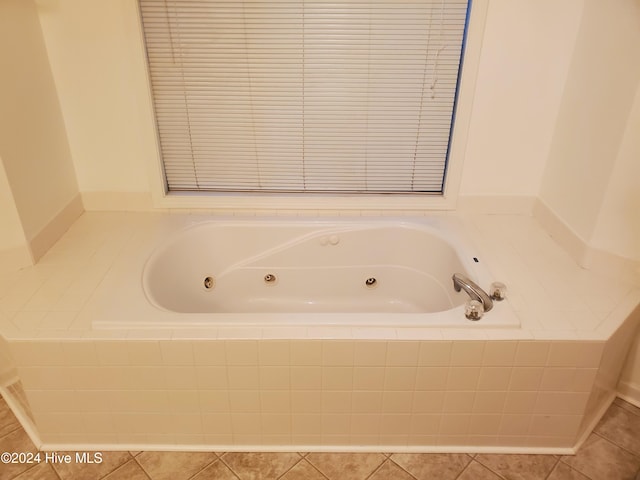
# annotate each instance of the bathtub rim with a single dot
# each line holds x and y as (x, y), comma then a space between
(106, 316)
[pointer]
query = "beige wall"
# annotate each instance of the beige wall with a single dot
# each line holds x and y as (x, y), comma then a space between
(33, 142)
(526, 53)
(618, 223)
(98, 65)
(10, 226)
(97, 61)
(586, 162)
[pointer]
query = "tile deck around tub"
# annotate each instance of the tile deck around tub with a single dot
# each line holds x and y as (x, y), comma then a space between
(554, 298)
(612, 452)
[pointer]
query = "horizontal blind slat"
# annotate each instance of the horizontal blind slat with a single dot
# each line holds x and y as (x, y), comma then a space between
(315, 96)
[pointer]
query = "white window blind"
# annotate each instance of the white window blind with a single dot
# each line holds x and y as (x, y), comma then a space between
(304, 95)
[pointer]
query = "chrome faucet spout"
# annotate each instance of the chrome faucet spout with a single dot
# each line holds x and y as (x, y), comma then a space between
(460, 282)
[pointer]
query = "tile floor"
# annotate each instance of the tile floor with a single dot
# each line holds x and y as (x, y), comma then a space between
(612, 452)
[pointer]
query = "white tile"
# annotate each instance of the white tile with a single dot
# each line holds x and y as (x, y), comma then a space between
(434, 354)
(532, 353)
(112, 352)
(428, 402)
(338, 352)
(337, 378)
(402, 353)
(241, 352)
(210, 377)
(274, 377)
(306, 377)
(499, 353)
(243, 377)
(489, 402)
(370, 353)
(273, 352)
(397, 402)
(463, 378)
(494, 378)
(336, 401)
(467, 353)
(575, 354)
(176, 352)
(368, 378)
(525, 378)
(209, 352)
(431, 378)
(400, 378)
(144, 353)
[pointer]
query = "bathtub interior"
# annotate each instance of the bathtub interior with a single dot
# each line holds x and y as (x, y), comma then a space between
(306, 268)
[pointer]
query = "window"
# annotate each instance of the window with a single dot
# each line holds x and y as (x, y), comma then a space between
(356, 96)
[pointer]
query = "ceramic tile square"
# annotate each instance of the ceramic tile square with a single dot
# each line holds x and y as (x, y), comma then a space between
(368, 378)
(305, 352)
(272, 352)
(365, 424)
(489, 402)
(209, 353)
(499, 353)
(337, 353)
(210, 377)
(337, 378)
(306, 401)
(459, 402)
(304, 424)
(79, 353)
(435, 354)
(336, 402)
(180, 377)
(453, 424)
(306, 378)
(526, 378)
(367, 401)
(275, 401)
(244, 401)
(397, 402)
(463, 378)
(370, 353)
(575, 354)
(112, 353)
(494, 378)
(274, 378)
(216, 423)
(402, 353)
(467, 353)
(532, 354)
(336, 424)
(241, 352)
(176, 352)
(214, 401)
(599, 458)
(187, 401)
(244, 378)
(431, 378)
(400, 378)
(428, 402)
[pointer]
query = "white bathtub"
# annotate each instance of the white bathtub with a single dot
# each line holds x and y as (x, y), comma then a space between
(299, 271)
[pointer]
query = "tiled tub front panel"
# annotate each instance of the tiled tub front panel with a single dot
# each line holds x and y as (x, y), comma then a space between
(308, 393)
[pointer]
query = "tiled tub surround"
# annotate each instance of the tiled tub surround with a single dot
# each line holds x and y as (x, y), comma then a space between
(539, 388)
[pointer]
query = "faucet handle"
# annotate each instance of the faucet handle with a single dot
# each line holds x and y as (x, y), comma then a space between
(498, 291)
(473, 310)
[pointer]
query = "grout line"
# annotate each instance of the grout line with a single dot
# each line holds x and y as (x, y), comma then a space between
(221, 459)
(135, 459)
(612, 442)
(216, 459)
(553, 468)
(487, 467)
